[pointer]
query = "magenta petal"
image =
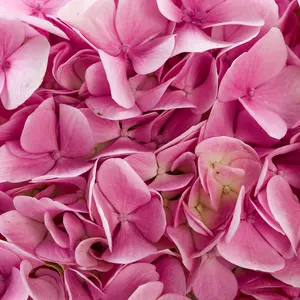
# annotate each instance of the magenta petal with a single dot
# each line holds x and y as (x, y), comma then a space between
(285, 208)
(128, 246)
(116, 68)
(150, 219)
(249, 250)
(73, 120)
(25, 74)
(29, 237)
(124, 189)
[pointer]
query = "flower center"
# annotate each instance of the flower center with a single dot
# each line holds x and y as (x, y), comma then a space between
(125, 48)
(123, 217)
(56, 155)
(4, 64)
(251, 92)
(251, 219)
(193, 16)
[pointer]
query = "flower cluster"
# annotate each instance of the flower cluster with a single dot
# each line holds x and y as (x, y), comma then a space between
(149, 149)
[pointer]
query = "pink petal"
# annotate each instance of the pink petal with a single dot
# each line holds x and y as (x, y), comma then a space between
(213, 279)
(16, 288)
(95, 20)
(128, 246)
(171, 296)
(107, 108)
(122, 186)
(18, 169)
(150, 56)
(26, 72)
(285, 208)
(29, 237)
(183, 239)
(171, 274)
(190, 38)
(65, 168)
(273, 124)
(72, 120)
(38, 288)
(170, 10)
(248, 249)
(150, 291)
(116, 68)
(290, 273)
(39, 132)
(231, 12)
(106, 212)
(281, 93)
(166, 182)
(130, 21)
(93, 75)
(263, 61)
(233, 227)
(129, 279)
(144, 164)
(154, 213)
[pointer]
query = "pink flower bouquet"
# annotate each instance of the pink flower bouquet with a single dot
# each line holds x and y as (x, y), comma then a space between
(149, 149)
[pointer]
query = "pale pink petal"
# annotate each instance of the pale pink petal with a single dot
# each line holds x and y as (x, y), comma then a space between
(116, 68)
(95, 20)
(128, 246)
(233, 227)
(248, 249)
(285, 208)
(124, 189)
(170, 10)
(26, 71)
(190, 38)
(29, 237)
(150, 56)
(130, 21)
(263, 61)
(280, 95)
(150, 291)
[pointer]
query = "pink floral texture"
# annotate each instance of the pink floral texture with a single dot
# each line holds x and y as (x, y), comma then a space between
(149, 150)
